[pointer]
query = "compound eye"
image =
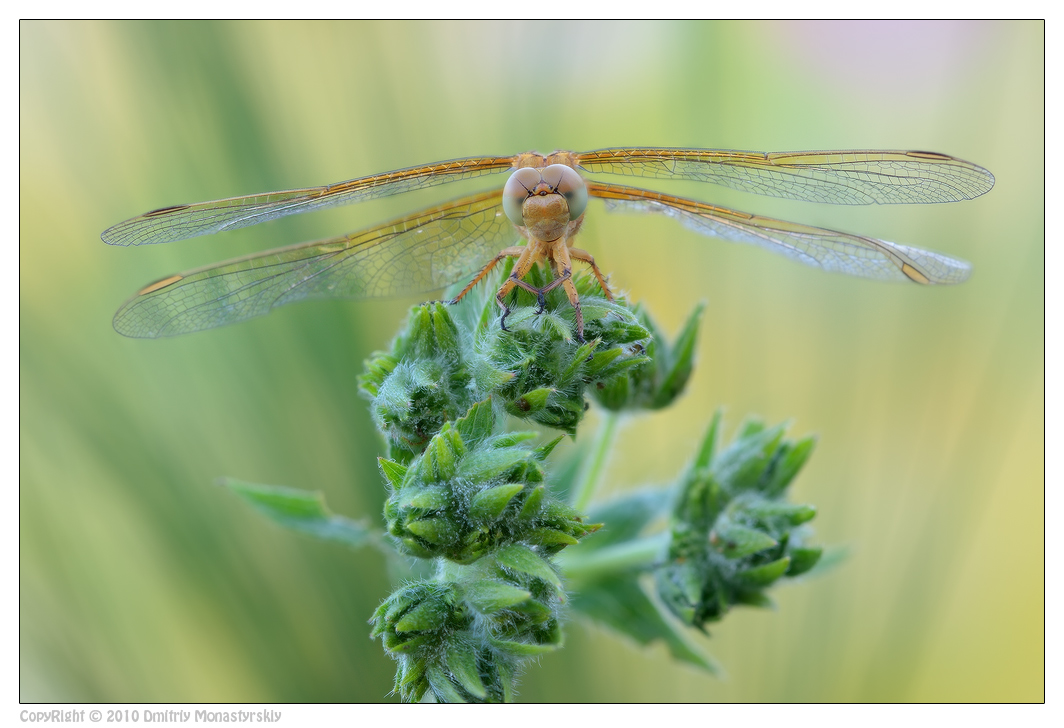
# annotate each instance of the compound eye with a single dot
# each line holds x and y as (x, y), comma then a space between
(518, 188)
(567, 183)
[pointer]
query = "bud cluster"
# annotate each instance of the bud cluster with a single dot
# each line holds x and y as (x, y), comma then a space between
(471, 492)
(732, 534)
(464, 637)
(536, 367)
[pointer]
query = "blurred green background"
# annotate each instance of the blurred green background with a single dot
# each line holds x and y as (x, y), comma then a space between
(142, 581)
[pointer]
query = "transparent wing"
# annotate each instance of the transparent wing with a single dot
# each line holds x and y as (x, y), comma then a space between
(832, 251)
(188, 221)
(416, 254)
(841, 178)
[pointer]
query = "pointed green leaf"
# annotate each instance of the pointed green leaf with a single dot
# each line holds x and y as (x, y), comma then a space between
(602, 360)
(709, 443)
(462, 662)
(393, 471)
(755, 598)
(766, 573)
(533, 502)
(509, 439)
(429, 498)
(414, 548)
(491, 596)
(482, 466)
(736, 541)
(523, 649)
(488, 504)
(478, 422)
(426, 616)
(445, 454)
(742, 465)
(523, 560)
(790, 465)
(445, 331)
(682, 358)
(412, 671)
(530, 402)
(793, 513)
(541, 452)
(399, 643)
(550, 537)
(579, 359)
(434, 530)
(301, 510)
(442, 686)
(507, 677)
(803, 559)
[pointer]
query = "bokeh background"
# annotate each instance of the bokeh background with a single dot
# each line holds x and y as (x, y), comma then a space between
(140, 580)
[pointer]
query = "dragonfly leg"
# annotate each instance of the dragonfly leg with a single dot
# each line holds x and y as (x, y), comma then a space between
(565, 279)
(514, 252)
(585, 256)
(529, 256)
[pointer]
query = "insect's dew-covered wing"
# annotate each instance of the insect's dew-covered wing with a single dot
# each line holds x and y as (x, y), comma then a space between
(856, 177)
(829, 250)
(179, 222)
(416, 254)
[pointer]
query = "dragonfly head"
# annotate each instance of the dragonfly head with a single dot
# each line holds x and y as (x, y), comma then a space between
(544, 201)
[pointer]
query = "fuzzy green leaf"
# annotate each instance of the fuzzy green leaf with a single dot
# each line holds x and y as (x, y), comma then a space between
(708, 450)
(682, 359)
(522, 559)
(462, 662)
(481, 467)
(428, 499)
(550, 537)
(477, 424)
(736, 541)
(793, 513)
(789, 466)
(530, 402)
(621, 604)
(765, 574)
(393, 471)
(524, 649)
(533, 502)
(442, 686)
(488, 504)
(488, 597)
(803, 559)
(433, 530)
(426, 616)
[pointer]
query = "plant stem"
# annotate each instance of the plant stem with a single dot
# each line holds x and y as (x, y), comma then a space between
(638, 553)
(591, 475)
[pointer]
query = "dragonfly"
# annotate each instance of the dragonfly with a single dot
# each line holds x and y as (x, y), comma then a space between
(533, 217)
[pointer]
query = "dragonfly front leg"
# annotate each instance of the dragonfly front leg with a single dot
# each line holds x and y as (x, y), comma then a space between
(578, 254)
(514, 252)
(565, 279)
(530, 255)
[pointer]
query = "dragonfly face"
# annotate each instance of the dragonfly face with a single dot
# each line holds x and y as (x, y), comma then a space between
(543, 201)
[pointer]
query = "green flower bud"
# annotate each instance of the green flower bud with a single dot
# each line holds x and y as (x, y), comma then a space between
(420, 384)
(465, 636)
(663, 377)
(537, 369)
(732, 534)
